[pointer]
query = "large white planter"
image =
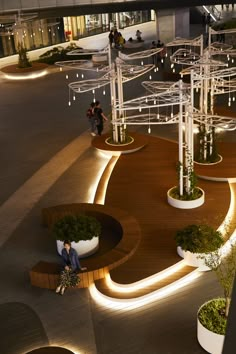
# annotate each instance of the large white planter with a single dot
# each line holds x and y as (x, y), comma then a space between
(99, 58)
(209, 163)
(210, 341)
(185, 204)
(83, 248)
(192, 259)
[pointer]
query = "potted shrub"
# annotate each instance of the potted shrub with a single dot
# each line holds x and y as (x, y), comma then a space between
(82, 230)
(212, 316)
(194, 241)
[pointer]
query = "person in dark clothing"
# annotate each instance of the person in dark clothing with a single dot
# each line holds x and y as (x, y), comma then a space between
(111, 38)
(154, 57)
(71, 265)
(203, 19)
(208, 18)
(116, 38)
(99, 116)
(91, 118)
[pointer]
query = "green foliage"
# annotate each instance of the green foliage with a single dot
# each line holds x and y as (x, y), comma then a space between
(195, 194)
(23, 61)
(202, 136)
(76, 228)
(212, 316)
(69, 278)
(199, 239)
(224, 268)
(60, 54)
(190, 191)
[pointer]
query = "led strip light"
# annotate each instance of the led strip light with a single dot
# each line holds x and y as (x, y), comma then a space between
(131, 304)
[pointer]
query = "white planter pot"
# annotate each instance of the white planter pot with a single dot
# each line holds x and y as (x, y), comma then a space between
(210, 341)
(99, 58)
(185, 204)
(192, 259)
(83, 248)
(209, 163)
(180, 252)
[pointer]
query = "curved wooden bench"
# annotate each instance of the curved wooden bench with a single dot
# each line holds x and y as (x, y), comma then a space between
(46, 275)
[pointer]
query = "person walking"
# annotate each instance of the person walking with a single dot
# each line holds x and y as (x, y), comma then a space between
(154, 57)
(116, 38)
(71, 265)
(208, 19)
(111, 38)
(91, 118)
(99, 117)
(204, 19)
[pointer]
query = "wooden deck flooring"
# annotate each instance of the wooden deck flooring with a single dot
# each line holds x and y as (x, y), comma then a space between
(223, 170)
(138, 185)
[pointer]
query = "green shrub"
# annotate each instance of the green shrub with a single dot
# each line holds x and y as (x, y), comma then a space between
(60, 54)
(76, 228)
(212, 316)
(199, 239)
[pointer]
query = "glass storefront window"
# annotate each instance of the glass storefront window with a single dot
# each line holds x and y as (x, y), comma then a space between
(40, 33)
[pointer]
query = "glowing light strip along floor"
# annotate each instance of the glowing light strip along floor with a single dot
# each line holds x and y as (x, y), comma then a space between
(26, 77)
(153, 279)
(130, 304)
(108, 170)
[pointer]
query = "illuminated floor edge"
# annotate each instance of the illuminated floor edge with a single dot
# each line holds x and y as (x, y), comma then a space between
(130, 304)
(30, 76)
(133, 303)
(151, 280)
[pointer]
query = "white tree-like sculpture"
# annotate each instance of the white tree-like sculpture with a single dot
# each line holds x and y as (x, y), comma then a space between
(209, 77)
(116, 74)
(169, 102)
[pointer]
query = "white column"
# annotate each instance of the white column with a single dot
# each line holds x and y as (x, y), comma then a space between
(180, 139)
(113, 96)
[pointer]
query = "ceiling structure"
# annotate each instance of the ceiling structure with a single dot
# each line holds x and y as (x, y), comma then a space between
(60, 8)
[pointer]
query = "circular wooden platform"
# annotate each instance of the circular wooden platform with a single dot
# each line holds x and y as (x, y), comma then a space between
(222, 171)
(99, 143)
(37, 70)
(50, 350)
(13, 69)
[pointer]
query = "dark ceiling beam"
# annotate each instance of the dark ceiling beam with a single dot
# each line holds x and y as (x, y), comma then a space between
(117, 7)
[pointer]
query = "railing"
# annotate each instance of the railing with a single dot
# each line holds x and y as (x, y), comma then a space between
(213, 11)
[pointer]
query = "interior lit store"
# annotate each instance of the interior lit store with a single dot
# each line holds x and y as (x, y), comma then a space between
(39, 33)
